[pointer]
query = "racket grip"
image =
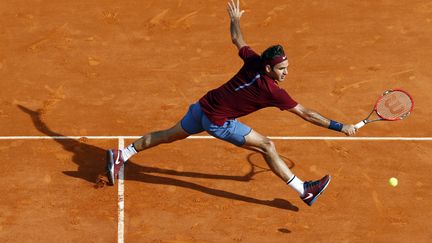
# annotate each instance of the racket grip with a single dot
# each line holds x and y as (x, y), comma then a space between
(359, 125)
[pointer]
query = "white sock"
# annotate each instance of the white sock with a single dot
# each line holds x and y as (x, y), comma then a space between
(128, 152)
(296, 184)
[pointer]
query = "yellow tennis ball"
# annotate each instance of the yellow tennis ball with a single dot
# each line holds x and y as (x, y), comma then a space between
(393, 181)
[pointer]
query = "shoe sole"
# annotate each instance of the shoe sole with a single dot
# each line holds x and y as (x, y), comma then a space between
(110, 166)
(319, 194)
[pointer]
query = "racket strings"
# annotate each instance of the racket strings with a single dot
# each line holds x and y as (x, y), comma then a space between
(394, 105)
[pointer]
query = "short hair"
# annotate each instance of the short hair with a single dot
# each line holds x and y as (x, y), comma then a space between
(272, 52)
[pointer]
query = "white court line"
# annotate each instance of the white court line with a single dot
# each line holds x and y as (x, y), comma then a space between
(120, 183)
(210, 137)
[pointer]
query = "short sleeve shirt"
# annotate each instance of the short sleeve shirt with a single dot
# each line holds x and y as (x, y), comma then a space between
(248, 91)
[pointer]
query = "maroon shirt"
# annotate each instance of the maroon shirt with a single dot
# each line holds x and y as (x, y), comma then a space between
(248, 91)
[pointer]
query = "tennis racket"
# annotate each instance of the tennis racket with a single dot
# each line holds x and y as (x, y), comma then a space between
(393, 105)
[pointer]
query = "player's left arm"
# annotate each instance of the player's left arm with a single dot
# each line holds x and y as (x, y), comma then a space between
(235, 14)
(316, 118)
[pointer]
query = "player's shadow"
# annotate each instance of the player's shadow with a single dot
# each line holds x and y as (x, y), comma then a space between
(90, 160)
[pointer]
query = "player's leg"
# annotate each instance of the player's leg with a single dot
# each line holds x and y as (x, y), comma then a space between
(309, 191)
(189, 124)
(241, 135)
(257, 142)
(117, 157)
(157, 137)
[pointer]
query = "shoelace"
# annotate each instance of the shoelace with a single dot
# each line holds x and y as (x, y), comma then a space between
(311, 184)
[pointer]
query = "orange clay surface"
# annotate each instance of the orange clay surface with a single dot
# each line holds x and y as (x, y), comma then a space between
(103, 68)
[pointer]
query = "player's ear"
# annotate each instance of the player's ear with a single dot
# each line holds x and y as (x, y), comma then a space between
(268, 68)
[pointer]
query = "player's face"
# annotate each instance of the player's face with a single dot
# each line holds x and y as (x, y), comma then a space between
(279, 71)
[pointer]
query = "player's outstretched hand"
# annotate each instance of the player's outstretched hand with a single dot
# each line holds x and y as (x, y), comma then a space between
(349, 130)
(234, 10)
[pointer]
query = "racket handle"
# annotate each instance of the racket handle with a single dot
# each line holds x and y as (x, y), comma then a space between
(359, 125)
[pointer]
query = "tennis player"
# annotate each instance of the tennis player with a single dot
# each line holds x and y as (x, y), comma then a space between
(255, 86)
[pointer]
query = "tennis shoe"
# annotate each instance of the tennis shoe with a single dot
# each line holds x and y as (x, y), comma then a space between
(313, 189)
(114, 162)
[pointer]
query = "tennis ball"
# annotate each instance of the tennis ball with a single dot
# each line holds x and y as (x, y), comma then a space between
(393, 181)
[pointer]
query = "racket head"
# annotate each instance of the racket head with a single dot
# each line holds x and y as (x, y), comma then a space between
(395, 104)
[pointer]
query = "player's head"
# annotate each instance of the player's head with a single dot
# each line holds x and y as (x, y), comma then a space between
(275, 62)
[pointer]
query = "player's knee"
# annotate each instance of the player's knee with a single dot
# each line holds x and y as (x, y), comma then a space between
(146, 140)
(267, 145)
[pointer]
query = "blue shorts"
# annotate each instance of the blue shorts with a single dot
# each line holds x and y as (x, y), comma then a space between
(233, 131)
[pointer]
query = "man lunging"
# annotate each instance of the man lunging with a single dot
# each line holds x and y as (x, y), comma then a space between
(255, 86)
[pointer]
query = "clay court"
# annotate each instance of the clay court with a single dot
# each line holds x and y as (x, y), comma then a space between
(80, 77)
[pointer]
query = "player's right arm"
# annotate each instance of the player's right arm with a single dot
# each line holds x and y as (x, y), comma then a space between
(316, 118)
(235, 14)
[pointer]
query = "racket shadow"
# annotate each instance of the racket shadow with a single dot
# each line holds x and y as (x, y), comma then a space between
(258, 165)
(90, 160)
